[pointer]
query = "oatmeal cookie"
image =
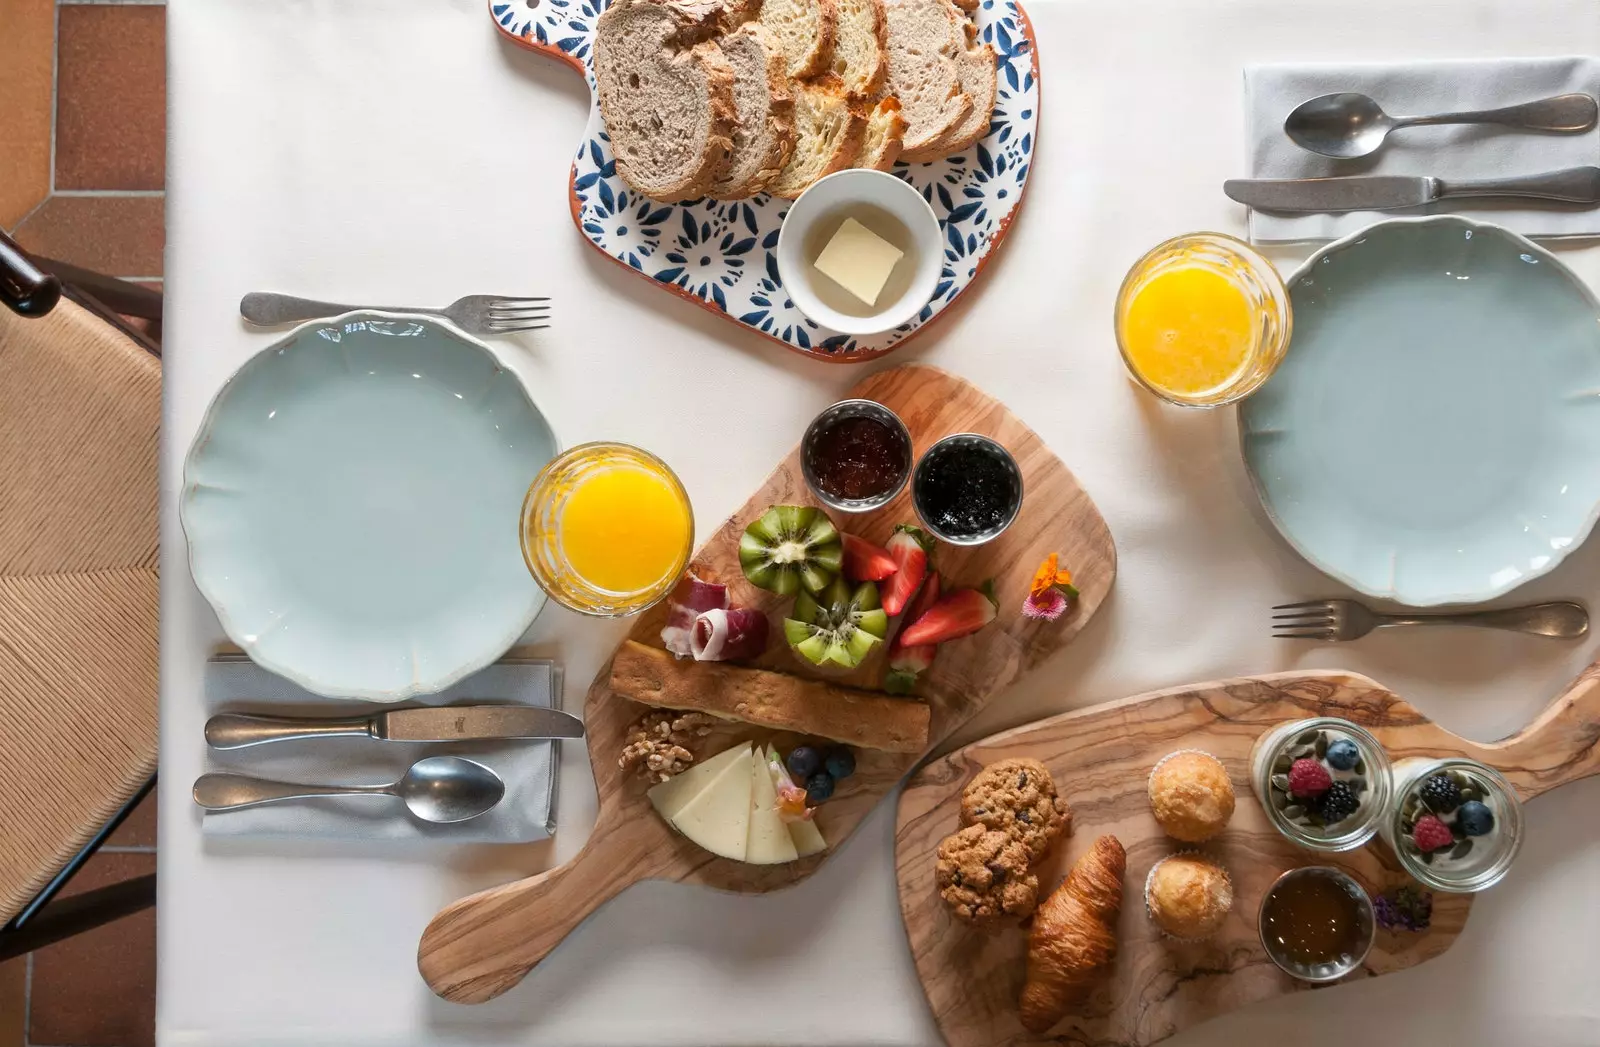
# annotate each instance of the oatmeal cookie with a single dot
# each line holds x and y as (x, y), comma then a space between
(982, 875)
(1017, 797)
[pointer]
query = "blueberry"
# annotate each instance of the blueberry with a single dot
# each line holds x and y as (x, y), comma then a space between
(1342, 754)
(818, 788)
(840, 762)
(1475, 818)
(804, 761)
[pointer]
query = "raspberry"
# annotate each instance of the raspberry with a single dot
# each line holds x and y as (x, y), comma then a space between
(1430, 834)
(1338, 803)
(1441, 794)
(1308, 778)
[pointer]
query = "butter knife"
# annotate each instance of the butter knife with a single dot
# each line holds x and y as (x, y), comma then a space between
(447, 723)
(1575, 185)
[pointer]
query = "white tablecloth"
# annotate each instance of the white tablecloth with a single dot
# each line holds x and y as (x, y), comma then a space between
(396, 151)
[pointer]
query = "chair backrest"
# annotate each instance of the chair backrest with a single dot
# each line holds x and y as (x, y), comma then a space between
(80, 414)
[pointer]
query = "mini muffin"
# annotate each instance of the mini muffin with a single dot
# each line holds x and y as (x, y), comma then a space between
(1188, 896)
(1017, 797)
(1191, 795)
(982, 874)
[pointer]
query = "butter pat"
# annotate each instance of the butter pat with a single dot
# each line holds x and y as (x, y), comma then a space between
(859, 260)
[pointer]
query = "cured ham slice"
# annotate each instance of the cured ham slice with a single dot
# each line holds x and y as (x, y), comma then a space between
(722, 635)
(690, 598)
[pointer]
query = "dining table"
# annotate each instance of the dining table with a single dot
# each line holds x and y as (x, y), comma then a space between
(400, 151)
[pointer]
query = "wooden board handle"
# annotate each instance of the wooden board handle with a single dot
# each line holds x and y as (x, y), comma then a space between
(1561, 745)
(484, 944)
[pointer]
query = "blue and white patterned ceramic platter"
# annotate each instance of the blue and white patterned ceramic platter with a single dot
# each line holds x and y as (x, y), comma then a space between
(1433, 435)
(352, 500)
(721, 256)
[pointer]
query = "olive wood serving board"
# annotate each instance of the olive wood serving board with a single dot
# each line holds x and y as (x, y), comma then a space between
(484, 944)
(1100, 758)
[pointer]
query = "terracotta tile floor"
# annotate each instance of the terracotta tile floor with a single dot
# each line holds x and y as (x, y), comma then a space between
(82, 165)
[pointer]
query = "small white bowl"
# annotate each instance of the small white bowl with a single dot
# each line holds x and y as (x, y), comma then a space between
(826, 197)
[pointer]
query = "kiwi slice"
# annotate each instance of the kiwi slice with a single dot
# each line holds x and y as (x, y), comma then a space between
(789, 548)
(838, 626)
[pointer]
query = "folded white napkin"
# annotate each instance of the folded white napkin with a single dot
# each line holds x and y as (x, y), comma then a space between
(528, 767)
(1451, 151)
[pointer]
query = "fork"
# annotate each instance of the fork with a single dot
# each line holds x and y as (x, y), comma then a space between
(1338, 620)
(483, 315)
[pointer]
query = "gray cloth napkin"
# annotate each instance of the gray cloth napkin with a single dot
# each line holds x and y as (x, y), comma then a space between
(1460, 151)
(528, 767)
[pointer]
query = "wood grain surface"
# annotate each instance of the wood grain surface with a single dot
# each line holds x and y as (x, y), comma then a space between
(1100, 758)
(482, 945)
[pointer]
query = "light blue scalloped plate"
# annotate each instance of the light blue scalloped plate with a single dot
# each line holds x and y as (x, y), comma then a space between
(1433, 435)
(351, 504)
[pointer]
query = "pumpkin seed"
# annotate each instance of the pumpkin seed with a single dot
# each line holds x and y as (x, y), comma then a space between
(1321, 747)
(1282, 763)
(1361, 766)
(1300, 752)
(1293, 811)
(1281, 781)
(1307, 737)
(1462, 849)
(1427, 859)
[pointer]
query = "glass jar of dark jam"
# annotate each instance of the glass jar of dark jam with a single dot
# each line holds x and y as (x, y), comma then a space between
(856, 455)
(966, 489)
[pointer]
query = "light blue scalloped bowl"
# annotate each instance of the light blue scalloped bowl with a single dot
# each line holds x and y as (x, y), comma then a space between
(351, 505)
(1433, 435)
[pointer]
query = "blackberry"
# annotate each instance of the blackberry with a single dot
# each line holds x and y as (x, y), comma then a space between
(1441, 793)
(1338, 803)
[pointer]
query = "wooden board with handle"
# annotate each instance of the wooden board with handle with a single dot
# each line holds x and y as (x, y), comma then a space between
(1101, 758)
(484, 944)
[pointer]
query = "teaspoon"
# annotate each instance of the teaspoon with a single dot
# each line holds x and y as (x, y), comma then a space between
(437, 789)
(1348, 125)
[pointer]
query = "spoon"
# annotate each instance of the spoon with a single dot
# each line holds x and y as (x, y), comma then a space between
(1348, 125)
(436, 789)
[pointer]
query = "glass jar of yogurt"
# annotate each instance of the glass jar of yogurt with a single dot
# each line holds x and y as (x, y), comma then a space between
(1346, 795)
(1456, 824)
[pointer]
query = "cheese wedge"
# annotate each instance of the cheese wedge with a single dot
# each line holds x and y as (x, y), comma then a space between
(718, 817)
(805, 836)
(672, 795)
(769, 842)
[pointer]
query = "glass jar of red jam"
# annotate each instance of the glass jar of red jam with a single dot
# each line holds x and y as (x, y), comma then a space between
(856, 456)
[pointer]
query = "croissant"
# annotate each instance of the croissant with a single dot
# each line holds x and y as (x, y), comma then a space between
(1074, 934)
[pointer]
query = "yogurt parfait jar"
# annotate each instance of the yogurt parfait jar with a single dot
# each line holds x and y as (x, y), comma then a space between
(1324, 782)
(1456, 824)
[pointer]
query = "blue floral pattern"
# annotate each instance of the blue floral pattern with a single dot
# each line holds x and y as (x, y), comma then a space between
(724, 252)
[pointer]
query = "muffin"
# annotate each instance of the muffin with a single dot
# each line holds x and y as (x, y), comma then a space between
(1191, 795)
(1188, 896)
(1017, 797)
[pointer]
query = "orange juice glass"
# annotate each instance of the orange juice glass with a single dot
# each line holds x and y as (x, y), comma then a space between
(1202, 320)
(607, 529)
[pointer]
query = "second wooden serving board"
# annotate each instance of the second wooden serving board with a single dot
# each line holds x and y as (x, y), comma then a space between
(482, 945)
(1101, 758)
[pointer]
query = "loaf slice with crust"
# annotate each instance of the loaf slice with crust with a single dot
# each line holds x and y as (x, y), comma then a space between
(763, 137)
(651, 676)
(667, 104)
(861, 46)
(806, 30)
(719, 15)
(886, 130)
(978, 79)
(924, 73)
(829, 132)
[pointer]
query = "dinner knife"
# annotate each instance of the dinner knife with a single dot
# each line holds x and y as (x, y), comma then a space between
(1575, 185)
(445, 723)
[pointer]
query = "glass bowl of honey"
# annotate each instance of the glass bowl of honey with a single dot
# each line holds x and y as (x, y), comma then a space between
(607, 529)
(1316, 923)
(1202, 320)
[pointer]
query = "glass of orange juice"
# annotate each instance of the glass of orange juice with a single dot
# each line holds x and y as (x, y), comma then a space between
(607, 529)
(1202, 320)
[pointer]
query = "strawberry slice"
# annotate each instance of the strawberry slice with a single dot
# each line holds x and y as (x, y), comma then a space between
(907, 663)
(865, 562)
(958, 614)
(909, 547)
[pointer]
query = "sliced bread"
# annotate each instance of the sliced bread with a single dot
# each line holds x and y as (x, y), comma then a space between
(861, 46)
(886, 130)
(763, 137)
(719, 15)
(924, 73)
(806, 30)
(668, 108)
(979, 80)
(829, 131)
